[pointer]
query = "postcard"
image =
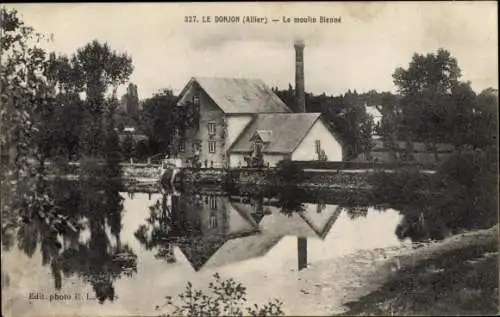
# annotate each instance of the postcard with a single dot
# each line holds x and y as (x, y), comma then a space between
(249, 159)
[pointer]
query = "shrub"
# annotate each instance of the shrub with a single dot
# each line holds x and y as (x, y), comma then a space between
(224, 298)
(288, 173)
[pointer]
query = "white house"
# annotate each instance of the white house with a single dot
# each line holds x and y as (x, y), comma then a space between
(235, 114)
(294, 136)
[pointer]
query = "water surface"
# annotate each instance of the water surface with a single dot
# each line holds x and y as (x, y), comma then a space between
(130, 251)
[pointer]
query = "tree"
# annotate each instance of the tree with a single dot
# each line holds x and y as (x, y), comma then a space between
(288, 96)
(67, 116)
(485, 119)
(128, 147)
(158, 120)
(24, 93)
(98, 68)
(435, 106)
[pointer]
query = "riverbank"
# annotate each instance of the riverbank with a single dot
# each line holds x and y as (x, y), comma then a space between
(458, 276)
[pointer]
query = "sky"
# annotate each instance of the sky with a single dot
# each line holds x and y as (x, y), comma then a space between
(360, 53)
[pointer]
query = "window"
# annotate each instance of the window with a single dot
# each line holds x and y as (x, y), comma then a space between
(211, 127)
(196, 146)
(213, 220)
(182, 146)
(196, 99)
(318, 146)
(211, 146)
(213, 202)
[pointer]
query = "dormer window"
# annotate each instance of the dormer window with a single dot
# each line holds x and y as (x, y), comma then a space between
(262, 136)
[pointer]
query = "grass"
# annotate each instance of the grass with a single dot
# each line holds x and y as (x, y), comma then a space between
(460, 281)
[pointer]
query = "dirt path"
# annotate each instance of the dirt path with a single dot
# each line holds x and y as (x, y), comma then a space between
(457, 276)
(328, 286)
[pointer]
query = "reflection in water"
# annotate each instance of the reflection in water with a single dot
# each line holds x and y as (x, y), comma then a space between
(90, 207)
(202, 227)
(213, 228)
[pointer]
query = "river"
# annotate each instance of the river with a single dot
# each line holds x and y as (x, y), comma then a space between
(129, 251)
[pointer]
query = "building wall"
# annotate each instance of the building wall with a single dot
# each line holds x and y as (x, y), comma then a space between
(236, 160)
(209, 112)
(213, 215)
(273, 159)
(306, 151)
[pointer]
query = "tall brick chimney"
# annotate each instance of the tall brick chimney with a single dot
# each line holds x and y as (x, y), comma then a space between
(299, 76)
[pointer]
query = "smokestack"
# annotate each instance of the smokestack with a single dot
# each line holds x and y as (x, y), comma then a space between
(299, 76)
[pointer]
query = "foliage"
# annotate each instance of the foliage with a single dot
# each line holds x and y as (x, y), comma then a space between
(98, 68)
(435, 106)
(25, 96)
(165, 123)
(287, 173)
(128, 147)
(461, 195)
(158, 231)
(401, 188)
(224, 298)
(157, 119)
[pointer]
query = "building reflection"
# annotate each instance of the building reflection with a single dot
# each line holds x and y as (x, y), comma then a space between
(213, 229)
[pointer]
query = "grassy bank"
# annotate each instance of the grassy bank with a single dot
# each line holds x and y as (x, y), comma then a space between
(458, 276)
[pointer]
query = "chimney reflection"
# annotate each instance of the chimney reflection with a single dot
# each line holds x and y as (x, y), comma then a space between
(302, 252)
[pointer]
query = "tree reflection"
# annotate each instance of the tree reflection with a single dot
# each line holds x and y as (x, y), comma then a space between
(55, 225)
(290, 200)
(355, 212)
(159, 230)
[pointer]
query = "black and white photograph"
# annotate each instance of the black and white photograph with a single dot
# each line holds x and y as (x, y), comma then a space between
(249, 159)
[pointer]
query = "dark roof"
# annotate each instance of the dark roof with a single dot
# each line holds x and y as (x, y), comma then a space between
(287, 131)
(241, 95)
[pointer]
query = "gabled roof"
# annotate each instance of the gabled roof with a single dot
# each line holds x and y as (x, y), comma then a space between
(212, 251)
(322, 222)
(288, 130)
(240, 95)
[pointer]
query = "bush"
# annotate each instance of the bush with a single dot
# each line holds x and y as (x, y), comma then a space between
(288, 173)
(225, 298)
(461, 195)
(402, 187)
